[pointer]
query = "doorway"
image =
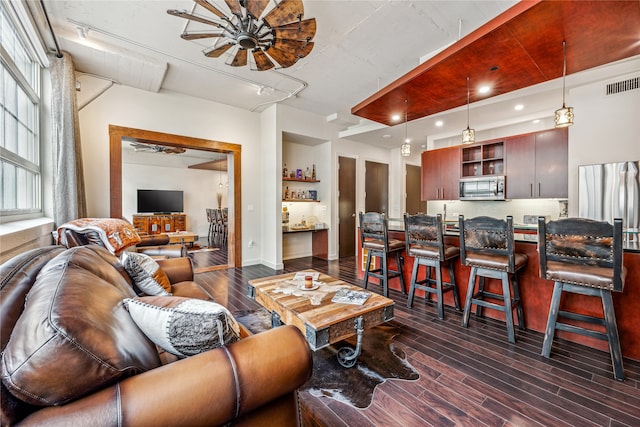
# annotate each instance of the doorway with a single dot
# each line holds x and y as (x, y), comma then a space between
(346, 207)
(118, 133)
(412, 202)
(376, 187)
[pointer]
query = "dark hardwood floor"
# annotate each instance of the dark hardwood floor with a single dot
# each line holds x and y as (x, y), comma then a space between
(468, 377)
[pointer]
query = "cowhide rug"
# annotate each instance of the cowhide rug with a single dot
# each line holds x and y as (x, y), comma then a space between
(379, 360)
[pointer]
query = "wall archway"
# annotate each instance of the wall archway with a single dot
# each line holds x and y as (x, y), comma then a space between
(116, 135)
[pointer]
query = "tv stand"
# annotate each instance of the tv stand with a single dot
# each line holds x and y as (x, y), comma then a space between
(157, 223)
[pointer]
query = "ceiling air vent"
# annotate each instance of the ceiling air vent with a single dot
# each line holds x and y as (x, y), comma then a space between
(623, 86)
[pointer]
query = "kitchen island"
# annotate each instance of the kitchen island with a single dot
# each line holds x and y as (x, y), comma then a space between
(536, 292)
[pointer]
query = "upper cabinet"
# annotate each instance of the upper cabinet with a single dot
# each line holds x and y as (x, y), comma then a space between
(537, 165)
(440, 174)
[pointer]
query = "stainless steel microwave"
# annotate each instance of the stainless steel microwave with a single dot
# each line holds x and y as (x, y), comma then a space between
(482, 188)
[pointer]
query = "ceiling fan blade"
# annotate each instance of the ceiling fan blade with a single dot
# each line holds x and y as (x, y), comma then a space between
(234, 6)
(195, 36)
(256, 7)
(262, 60)
(296, 47)
(303, 30)
(186, 15)
(240, 60)
(211, 8)
(285, 12)
(285, 59)
(215, 53)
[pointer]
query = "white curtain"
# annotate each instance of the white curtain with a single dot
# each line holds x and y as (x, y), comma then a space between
(68, 181)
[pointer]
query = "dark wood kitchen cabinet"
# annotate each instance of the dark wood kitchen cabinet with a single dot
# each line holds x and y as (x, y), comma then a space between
(441, 174)
(537, 165)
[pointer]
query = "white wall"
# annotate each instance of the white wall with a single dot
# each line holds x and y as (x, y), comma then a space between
(200, 189)
(175, 114)
(606, 128)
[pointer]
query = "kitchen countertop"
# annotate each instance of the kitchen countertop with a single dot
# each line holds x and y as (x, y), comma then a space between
(525, 233)
(286, 229)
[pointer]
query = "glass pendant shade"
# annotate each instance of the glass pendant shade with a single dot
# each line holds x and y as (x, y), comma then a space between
(564, 117)
(405, 149)
(468, 136)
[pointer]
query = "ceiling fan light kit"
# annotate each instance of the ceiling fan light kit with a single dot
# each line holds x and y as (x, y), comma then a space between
(155, 148)
(564, 116)
(278, 38)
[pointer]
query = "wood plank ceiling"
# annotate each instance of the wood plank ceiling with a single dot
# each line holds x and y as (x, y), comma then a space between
(520, 48)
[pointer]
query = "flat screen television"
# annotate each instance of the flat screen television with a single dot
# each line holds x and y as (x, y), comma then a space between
(160, 201)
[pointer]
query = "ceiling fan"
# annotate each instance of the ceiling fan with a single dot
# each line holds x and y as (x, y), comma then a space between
(280, 35)
(153, 148)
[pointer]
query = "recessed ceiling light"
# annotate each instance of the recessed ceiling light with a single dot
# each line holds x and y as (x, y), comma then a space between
(386, 136)
(518, 107)
(536, 121)
(439, 123)
(395, 117)
(484, 89)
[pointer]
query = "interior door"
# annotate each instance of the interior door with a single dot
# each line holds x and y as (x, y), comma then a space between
(376, 187)
(346, 207)
(413, 204)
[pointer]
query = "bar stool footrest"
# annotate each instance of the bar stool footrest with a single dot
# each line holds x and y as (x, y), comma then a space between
(582, 317)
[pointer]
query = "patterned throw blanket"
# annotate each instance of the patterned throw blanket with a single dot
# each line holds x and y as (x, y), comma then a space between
(114, 234)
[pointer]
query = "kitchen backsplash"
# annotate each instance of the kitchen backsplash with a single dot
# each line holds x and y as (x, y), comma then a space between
(518, 208)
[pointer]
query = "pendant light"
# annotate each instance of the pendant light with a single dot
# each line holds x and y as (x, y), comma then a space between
(220, 173)
(468, 135)
(564, 115)
(405, 149)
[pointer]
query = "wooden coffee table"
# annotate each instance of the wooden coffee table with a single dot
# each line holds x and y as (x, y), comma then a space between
(327, 322)
(182, 237)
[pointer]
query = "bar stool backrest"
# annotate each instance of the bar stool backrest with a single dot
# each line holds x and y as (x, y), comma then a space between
(582, 241)
(210, 215)
(373, 226)
(488, 235)
(424, 230)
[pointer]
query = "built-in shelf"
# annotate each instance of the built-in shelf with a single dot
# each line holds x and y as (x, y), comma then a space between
(485, 159)
(300, 200)
(300, 179)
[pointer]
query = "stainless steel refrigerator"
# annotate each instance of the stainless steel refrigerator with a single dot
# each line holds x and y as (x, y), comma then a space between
(610, 190)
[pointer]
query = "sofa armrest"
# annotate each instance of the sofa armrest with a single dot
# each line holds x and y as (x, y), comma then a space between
(153, 240)
(177, 269)
(211, 388)
(169, 251)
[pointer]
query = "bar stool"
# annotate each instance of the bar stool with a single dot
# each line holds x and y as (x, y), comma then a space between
(374, 238)
(425, 242)
(212, 224)
(583, 256)
(486, 245)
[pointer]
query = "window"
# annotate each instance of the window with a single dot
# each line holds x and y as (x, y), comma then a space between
(20, 174)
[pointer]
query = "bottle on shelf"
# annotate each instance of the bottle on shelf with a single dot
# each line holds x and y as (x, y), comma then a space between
(313, 173)
(284, 171)
(286, 193)
(307, 173)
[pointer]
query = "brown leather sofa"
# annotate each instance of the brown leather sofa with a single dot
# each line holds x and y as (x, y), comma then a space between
(250, 382)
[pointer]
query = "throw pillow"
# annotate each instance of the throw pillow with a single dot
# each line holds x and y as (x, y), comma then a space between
(183, 326)
(146, 273)
(113, 233)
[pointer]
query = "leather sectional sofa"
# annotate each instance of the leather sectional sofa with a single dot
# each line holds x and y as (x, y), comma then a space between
(73, 356)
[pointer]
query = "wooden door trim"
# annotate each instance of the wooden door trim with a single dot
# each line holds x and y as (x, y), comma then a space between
(117, 133)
